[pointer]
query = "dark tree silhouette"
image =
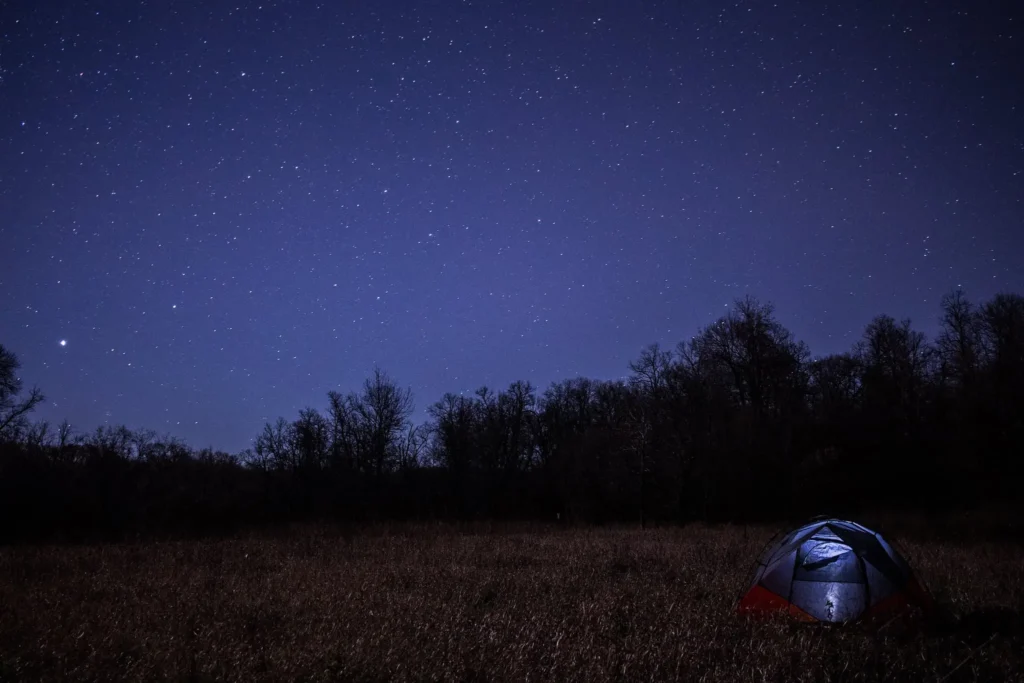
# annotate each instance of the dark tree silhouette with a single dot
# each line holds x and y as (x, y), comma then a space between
(14, 412)
(275, 447)
(382, 413)
(738, 422)
(312, 444)
(1002, 321)
(960, 343)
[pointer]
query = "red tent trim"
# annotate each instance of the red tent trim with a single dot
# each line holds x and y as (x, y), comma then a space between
(760, 599)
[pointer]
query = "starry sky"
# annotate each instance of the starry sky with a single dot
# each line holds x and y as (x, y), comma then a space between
(212, 213)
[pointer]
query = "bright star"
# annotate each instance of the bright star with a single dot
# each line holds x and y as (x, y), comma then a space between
(63, 342)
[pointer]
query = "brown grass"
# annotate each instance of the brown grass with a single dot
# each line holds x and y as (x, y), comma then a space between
(418, 603)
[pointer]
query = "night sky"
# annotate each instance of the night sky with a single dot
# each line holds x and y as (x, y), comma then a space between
(213, 213)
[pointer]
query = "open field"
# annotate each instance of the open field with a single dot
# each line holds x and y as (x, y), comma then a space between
(429, 603)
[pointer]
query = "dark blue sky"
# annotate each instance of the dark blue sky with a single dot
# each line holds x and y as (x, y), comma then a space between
(227, 209)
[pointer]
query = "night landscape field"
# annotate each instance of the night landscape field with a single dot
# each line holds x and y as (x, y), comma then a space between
(511, 340)
(419, 603)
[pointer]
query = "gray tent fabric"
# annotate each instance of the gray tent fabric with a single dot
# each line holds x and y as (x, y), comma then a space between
(833, 571)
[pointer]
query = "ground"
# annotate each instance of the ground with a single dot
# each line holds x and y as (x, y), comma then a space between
(414, 603)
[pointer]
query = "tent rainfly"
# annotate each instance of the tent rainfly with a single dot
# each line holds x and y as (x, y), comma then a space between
(833, 571)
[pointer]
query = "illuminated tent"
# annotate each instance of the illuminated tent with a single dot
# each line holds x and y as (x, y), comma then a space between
(833, 571)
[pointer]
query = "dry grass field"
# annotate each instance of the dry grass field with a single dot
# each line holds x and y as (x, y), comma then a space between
(421, 603)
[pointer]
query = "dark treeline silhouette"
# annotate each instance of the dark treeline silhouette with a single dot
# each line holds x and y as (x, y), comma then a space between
(737, 423)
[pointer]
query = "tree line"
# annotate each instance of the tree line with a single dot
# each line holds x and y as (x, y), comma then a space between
(739, 422)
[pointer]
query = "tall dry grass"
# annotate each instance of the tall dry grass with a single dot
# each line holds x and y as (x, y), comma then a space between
(428, 603)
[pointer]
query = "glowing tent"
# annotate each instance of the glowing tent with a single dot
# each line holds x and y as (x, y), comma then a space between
(832, 570)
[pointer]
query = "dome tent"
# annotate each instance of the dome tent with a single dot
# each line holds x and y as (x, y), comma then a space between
(832, 571)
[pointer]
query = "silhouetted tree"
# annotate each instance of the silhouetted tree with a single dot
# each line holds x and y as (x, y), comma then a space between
(384, 411)
(738, 422)
(834, 388)
(895, 360)
(1003, 332)
(897, 370)
(752, 362)
(412, 448)
(1003, 342)
(312, 443)
(14, 412)
(453, 431)
(274, 448)
(563, 422)
(111, 441)
(960, 342)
